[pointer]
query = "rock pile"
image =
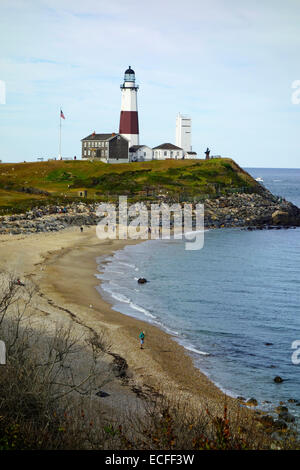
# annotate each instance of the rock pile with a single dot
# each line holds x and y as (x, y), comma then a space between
(251, 211)
(49, 219)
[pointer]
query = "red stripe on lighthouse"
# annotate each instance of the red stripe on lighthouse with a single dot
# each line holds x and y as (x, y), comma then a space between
(129, 122)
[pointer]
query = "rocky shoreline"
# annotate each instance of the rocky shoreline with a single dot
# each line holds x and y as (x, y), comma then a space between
(251, 211)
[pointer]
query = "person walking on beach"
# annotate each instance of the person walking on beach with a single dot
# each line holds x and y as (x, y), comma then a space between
(142, 337)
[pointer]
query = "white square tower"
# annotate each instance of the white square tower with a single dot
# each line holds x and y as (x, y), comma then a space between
(184, 132)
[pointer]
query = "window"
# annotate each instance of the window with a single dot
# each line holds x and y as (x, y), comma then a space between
(165, 153)
(145, 154)
(89, 152)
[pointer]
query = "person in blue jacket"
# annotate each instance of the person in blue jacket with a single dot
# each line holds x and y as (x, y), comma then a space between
(142, 338)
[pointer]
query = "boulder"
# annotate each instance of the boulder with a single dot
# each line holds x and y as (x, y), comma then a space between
(287, 417)
(142, 280)
(280, 217)
(267, 420)
(241, 399)
(278, 379)
(281, 409)
(252, 402)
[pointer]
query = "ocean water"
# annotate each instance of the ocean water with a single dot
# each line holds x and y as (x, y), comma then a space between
(225, 302)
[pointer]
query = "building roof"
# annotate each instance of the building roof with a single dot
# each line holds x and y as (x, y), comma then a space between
(135, 148)
(167, 146)
(130, 71)
(95, 136)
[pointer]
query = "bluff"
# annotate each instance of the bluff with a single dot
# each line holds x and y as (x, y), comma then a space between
(43, 196)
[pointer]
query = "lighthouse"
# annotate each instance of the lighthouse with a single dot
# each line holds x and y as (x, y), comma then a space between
(129, 121)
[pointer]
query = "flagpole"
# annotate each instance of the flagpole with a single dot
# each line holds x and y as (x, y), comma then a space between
(59, 156)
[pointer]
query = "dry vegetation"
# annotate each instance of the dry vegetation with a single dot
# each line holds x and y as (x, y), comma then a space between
(48, 395)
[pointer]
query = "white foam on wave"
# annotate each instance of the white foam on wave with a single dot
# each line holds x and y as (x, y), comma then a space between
(109, 270)
(115, 295)
(126, 264)
(113, 268)
(112, 283)
(196, 351)
(107, 287)
(168, 330)
(142, 310)
(120, 297)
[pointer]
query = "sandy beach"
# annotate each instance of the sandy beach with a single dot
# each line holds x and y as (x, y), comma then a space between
(63, 266)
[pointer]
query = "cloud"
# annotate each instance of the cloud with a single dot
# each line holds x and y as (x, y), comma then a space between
(229, 64)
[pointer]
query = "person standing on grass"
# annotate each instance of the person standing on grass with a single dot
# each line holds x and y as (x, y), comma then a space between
(142, 337)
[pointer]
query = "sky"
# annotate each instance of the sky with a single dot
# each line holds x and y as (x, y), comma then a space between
(229, 64)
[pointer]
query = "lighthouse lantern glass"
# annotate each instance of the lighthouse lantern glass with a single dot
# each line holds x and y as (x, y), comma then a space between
(129, 77)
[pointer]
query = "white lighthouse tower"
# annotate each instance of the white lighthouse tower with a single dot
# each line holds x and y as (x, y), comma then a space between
(129, 121)
(184, 132)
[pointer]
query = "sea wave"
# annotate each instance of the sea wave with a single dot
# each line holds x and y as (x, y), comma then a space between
(115, 295)
(142, 310)
(126, 264)
(196, 351)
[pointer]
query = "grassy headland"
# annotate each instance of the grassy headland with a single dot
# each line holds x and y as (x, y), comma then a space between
(26, 185)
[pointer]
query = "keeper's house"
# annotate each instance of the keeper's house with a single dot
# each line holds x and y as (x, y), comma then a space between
(166, 151)
(140, 153)
(107, 148)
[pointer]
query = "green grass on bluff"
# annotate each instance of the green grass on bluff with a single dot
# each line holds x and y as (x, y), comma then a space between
(24, 185)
